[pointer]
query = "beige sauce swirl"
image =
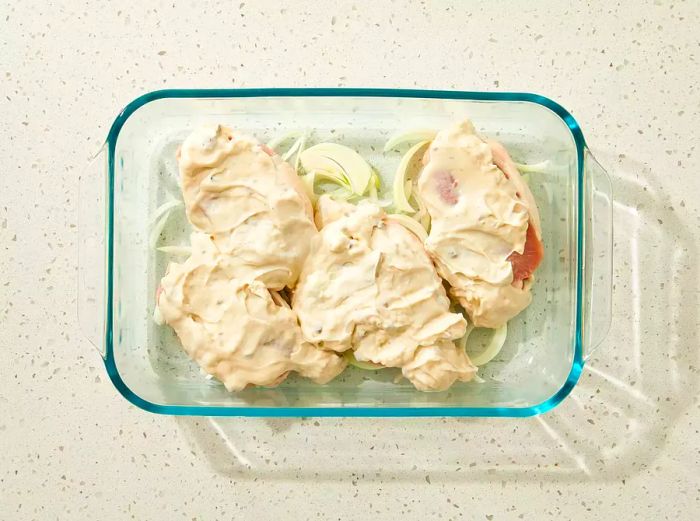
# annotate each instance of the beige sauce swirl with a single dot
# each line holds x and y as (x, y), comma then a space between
(250, 202)
(255, 225)
(369, 285)
(232, 328)
(479, 217)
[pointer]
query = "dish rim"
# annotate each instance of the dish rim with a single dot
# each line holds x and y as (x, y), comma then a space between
(362, 411)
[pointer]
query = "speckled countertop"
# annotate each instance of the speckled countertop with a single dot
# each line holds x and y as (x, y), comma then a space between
(625, 445)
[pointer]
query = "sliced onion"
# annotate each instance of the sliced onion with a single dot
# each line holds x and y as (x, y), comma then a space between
(401, 178)
(540, 167)
(309, 180)
(289, 153)
(422, 215)
(297, 147)
(409, 136)
(373, 187)
(492, 348)
(342, 194)
(462, 342)
(425, 222)
(408, 189)
(338, 161)
(157, 229)
(344, 191)
(334, 177)
(410, 224)
(302, 145)
(163, 209)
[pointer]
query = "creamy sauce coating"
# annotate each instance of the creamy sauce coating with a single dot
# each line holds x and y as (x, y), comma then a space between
(369, 285)
(232, 328)
(479, 219)
(251, 203)
(255, 225)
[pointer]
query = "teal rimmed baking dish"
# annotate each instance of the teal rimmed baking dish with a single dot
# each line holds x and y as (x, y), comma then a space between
(135, 173)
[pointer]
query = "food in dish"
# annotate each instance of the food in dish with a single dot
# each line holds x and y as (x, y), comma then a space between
(232, 327)
(341, 163)
(485, 235)
(221, 300)
(369, 286)
(364, 283)
(250, 201)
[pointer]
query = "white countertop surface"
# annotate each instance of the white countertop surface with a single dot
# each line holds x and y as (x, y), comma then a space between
(624, 445)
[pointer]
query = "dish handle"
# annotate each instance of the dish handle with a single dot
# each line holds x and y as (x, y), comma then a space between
(598, 260)
(91, 249)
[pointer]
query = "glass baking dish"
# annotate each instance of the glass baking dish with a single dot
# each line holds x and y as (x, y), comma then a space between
(136, 171)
